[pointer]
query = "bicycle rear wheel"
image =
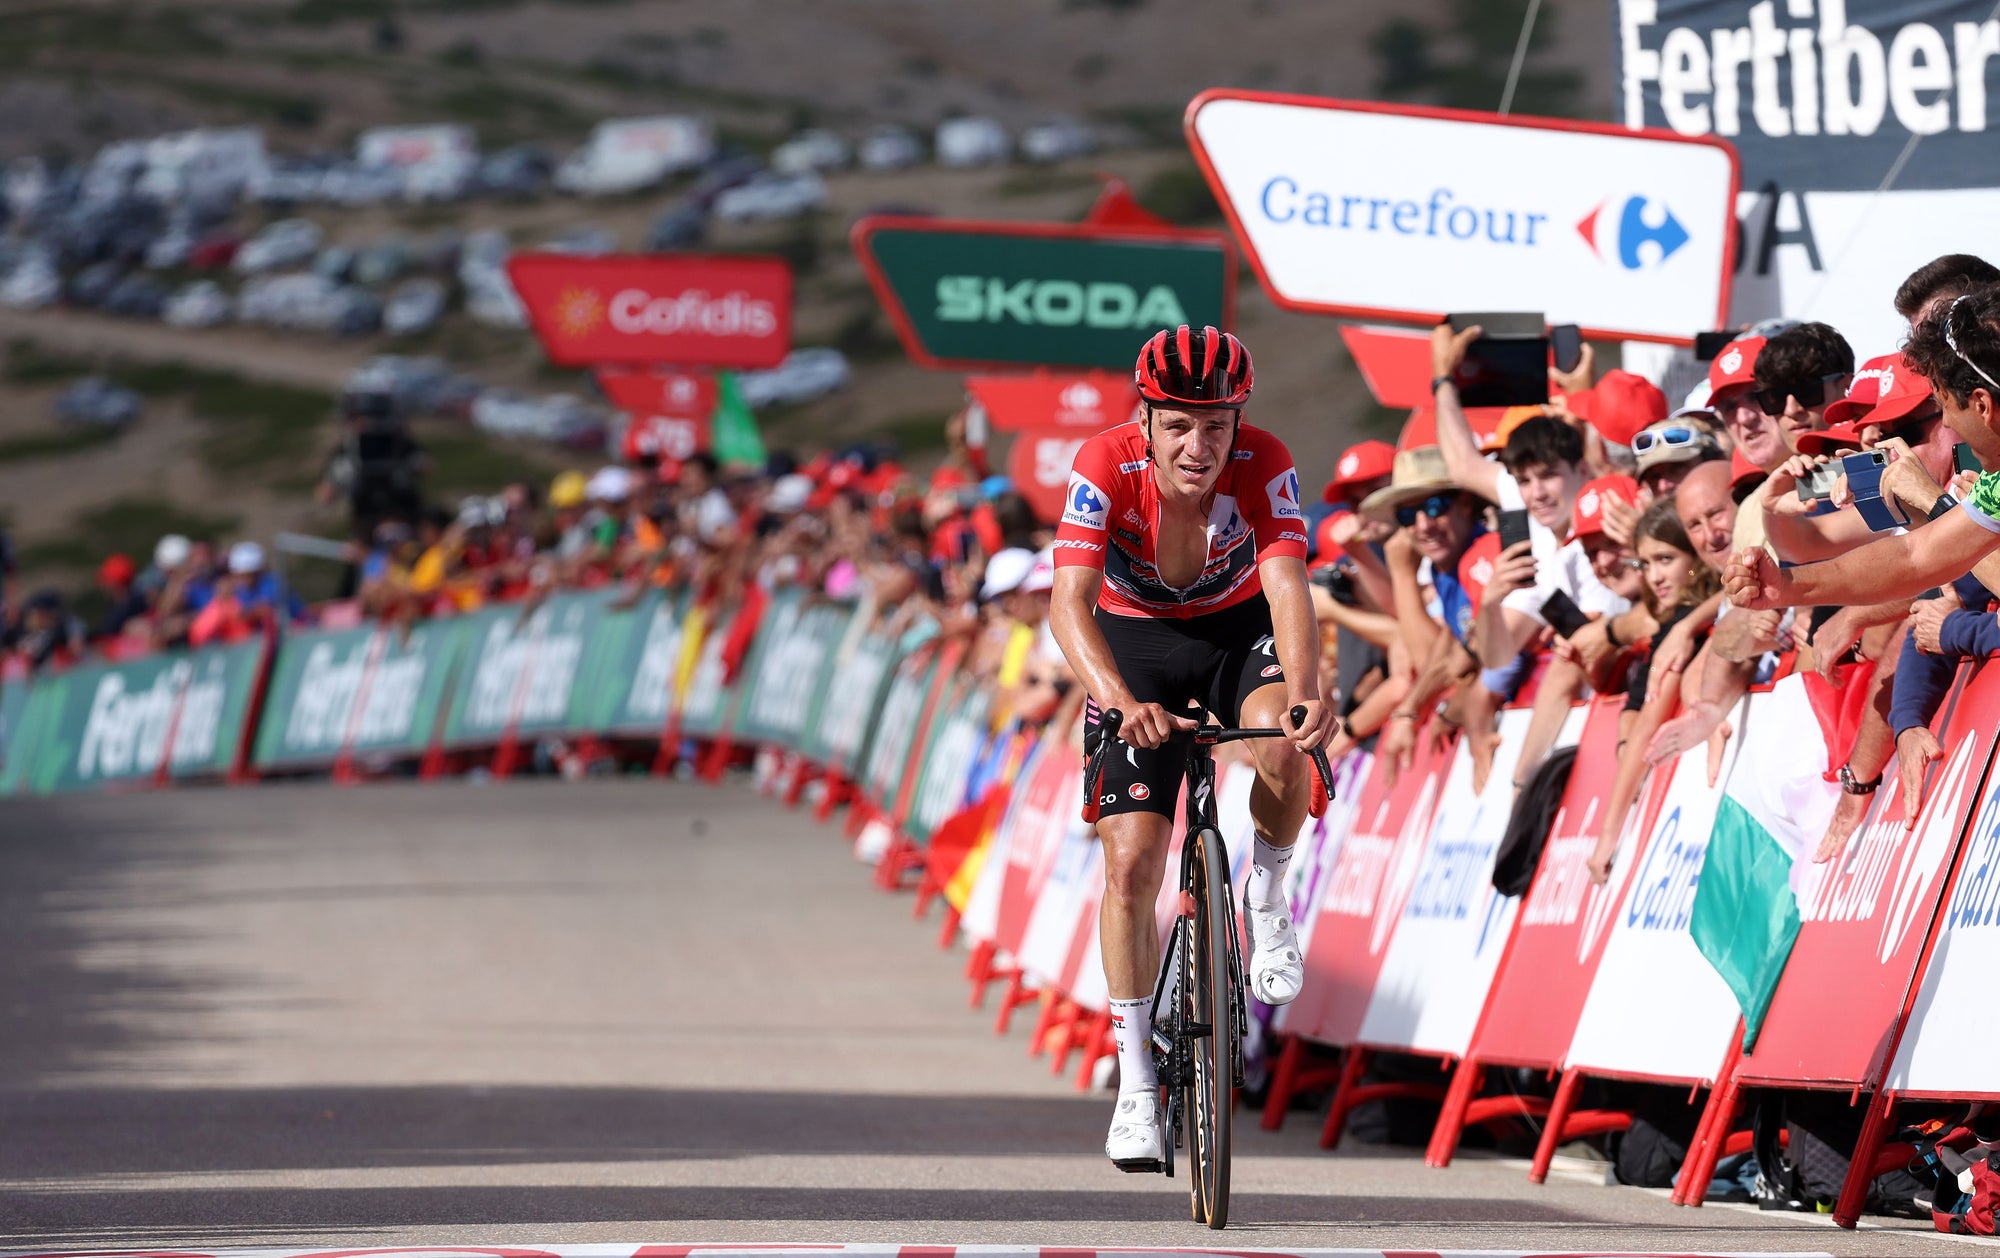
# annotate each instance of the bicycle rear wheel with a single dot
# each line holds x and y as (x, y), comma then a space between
(1206, 1004)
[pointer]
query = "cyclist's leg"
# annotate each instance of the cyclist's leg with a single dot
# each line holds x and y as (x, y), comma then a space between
(1251, 691)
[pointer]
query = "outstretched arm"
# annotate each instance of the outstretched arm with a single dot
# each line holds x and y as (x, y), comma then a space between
(1471, 469)
(1885, 569)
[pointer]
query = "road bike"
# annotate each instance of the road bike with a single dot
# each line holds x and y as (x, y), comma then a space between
(1199, 1013)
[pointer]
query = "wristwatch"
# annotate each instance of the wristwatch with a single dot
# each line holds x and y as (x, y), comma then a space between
(1944, 503)
(1437, 382)
(1853, 786)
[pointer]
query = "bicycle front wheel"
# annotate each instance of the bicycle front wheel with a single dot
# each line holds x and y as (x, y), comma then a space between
(1207, 1004)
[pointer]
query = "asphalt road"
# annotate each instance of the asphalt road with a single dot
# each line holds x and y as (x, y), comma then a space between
(547, 1013)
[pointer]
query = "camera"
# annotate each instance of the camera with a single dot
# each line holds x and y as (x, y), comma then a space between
(1863, 471)
(1337, 579)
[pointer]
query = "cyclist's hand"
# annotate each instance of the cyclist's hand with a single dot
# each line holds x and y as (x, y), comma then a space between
(1317, 730)
(1148, 725)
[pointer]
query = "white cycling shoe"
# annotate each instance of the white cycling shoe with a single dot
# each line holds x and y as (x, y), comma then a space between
(1277, 970)
(1135, 1142)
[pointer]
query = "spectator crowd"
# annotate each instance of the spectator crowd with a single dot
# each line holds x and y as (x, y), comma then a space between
(1536, 555)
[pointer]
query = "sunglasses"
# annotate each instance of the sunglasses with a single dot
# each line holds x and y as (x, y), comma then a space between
(1434, 506)
(1664, 438)
(1810, 393)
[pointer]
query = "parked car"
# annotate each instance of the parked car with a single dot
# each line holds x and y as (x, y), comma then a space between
(32, 284)
(804, 375)
(1058, 140)
(286, 181)
(681, 227)
(585, 241)
(336, 262)
(171, 248)
(381, 263)
(137, 297)
(521, 171)
(199, 304)
(214, 252)
(720, 176)
(96, 401)
(353, 311)
(89, 287)
(298, 299)
(769, 197)
(285, 243)
(972, 142)
(810, 151)
(351, 184)
(414, 307)
(626, 154)
(890, 148)
(563, 418)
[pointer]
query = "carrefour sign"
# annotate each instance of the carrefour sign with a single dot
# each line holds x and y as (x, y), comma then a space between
(1377, 211)
(968, 294)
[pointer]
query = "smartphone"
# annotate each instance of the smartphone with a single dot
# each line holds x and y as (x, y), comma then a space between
(1508, 365)
(1708, 344)
(1562, 614)
(1964, 460)
(1513, 528)
(1566, 344)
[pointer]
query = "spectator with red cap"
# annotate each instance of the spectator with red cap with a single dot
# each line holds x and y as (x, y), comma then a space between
(117, 578)
(1619, 406)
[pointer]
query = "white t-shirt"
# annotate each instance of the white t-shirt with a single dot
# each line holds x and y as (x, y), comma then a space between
(1558, 565)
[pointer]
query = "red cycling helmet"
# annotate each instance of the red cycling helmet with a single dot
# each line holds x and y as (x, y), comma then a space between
(1189, 367)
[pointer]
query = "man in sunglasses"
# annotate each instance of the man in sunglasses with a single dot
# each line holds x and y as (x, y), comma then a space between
(1180, 585)
(1669, 450)
(1800, 372)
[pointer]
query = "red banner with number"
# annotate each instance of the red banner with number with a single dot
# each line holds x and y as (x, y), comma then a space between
(669, 410)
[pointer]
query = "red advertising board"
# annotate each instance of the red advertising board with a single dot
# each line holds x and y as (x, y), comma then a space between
(1539, 994)
(1364, 894)
(1046, 802)
(1866, 914)
(669, 410)
(692, 309)
(1039, 467)
(1086, 403)
(1395, 365)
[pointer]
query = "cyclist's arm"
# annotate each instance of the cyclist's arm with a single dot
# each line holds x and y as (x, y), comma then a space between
(1082, 642)
(1293, 625)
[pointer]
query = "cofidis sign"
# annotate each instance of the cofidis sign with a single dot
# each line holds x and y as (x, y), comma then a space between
(690, 309)
(1375, 211)
(966, 294)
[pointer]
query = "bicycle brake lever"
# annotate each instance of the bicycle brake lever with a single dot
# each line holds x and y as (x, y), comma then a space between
(1320, 766)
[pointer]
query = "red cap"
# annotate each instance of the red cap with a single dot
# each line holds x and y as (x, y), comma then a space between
(1619, 405)
(1587, 520)
(1863, 390)
(1736, 364)
(1362, 462)
(1744, 476)
(1901, 392)
(1325, 549)
(1475, 566)
(1821, 442)
(117, 570)
(947, 477)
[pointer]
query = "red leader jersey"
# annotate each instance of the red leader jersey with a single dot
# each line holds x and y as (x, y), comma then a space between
(1111, 521)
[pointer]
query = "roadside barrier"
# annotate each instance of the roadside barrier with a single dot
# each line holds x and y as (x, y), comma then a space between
(1408, 947)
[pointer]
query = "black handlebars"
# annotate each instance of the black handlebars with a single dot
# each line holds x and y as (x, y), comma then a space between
(1111, 720)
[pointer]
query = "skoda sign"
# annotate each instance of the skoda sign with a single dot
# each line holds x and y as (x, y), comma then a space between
(968, 294)
(1397, 212)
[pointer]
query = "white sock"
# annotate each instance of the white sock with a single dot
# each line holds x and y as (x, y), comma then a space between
(1268, 864)
(1132, 1026)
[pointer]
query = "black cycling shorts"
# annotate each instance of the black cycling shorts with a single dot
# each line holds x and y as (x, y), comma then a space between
(1206, 663)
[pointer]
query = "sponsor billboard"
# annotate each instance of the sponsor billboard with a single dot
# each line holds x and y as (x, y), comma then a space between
(669, 411)
(965, 294)
(686, 308)
(1086, 403)
(1657, 1008)
(1865, 132)
(1399, 212)
(371, 690)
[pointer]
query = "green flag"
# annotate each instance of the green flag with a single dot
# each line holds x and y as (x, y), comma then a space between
(734, 428)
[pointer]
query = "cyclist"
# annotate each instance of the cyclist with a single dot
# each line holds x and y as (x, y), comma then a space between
(1181, 586)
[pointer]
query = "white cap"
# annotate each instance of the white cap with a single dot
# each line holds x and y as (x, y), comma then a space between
(171, 552)
(713, 516)
(1697, 398)
(245, 558)
(789, 493)
(1042, 576)
(609, 484)
(1006, 571)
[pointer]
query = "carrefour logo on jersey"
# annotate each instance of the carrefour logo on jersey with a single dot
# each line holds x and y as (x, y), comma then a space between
(1086, 505)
